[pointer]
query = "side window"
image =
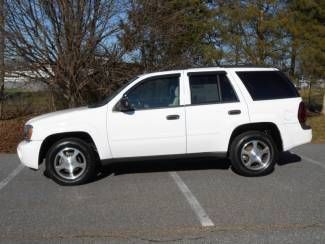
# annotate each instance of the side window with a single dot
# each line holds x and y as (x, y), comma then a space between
(156, 92)
(264, 85)
(204, 89)
(228, 94)
(211, 88)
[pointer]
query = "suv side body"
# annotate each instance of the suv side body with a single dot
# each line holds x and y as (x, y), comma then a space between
(177, 112)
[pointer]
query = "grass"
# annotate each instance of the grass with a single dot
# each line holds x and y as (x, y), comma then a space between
(316, 122)
(318, 125)
(315, 101)
(16, 90)
(22, 103)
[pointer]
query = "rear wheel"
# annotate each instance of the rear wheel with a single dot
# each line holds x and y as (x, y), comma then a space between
(71, 161)
(253, 153)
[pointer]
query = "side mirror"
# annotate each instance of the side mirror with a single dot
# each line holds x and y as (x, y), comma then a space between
(124, 105)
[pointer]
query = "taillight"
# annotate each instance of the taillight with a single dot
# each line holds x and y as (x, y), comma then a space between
(302, 113)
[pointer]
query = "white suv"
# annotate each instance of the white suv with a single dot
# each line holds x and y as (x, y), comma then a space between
(246, 114)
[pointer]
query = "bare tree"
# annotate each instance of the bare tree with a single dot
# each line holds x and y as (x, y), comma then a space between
(59, 40)
(2, 56)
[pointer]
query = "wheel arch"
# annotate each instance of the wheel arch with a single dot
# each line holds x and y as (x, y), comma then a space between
(51, 139)
(266, 127)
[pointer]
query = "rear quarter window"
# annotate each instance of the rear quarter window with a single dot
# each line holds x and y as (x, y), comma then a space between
(265, 85)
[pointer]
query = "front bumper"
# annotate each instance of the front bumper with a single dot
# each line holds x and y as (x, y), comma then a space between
(28, 153)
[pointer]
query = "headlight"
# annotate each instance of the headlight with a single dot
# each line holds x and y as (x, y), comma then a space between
(28, 131)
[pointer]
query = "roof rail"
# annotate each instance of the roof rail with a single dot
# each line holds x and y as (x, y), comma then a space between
(216, 66)
(245, 66)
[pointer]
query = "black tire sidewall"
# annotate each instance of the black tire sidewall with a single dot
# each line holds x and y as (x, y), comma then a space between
(74, 143)
(237, 145)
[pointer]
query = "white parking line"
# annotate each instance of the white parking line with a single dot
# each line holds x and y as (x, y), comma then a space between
(16, 171)
(312, 161)
(194, 203)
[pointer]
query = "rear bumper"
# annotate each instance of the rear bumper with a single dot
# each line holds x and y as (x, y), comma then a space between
(28, 152)
(294, 135)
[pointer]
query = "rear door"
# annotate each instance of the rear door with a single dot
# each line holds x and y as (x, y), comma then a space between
(216, 108)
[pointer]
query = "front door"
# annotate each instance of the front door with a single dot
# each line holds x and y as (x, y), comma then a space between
(157, 124)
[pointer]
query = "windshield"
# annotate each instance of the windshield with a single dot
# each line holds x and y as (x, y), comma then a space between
(112, 95)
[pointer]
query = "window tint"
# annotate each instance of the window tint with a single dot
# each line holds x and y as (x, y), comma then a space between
(155, 93)
(263, 85)
(204, 89)
(227, 92)
(211, 88)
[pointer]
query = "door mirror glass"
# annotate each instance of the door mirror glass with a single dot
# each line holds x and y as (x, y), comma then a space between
(124, 104)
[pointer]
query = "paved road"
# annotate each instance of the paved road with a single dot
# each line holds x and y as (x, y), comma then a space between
(181, 201)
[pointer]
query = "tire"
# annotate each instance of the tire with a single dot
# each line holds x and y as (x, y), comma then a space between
(71, 161)
(253, 153)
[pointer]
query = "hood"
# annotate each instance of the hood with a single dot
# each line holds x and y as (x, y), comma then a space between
(77, 119)
(57, 115)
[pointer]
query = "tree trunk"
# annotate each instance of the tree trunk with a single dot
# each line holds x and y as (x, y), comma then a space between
(293, 55)
(323, 110)
(52, 100)
(2, 59)
(260, 37)
(309, 93)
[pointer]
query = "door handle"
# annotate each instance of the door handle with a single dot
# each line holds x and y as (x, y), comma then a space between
(172, 117)
(233, 112)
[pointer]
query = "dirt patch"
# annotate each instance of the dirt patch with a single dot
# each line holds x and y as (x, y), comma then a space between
(11, 133)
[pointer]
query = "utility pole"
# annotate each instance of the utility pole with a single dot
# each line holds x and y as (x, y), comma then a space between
(2, 56)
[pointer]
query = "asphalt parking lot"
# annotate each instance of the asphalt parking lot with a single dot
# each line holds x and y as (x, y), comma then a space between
(175, 201)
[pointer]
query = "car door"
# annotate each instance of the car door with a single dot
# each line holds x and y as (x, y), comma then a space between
(156, 126)
(215, 110)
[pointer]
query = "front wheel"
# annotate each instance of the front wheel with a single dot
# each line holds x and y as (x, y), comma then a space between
(253, 153)
(71, 161)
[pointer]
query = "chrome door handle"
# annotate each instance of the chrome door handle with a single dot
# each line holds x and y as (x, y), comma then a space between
(172, 117)
(233, 112)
